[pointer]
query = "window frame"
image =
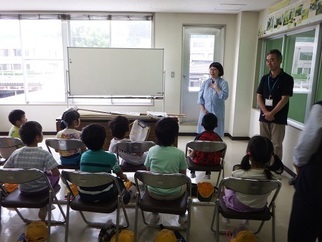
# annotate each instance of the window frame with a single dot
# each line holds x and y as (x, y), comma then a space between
(66, 38)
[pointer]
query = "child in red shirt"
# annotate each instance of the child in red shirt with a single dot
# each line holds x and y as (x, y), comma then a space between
(209, 122)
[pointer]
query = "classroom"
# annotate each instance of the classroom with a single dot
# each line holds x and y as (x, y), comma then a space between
(41, 42)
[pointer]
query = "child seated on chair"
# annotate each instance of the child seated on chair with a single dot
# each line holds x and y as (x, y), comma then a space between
(119, 128)
(32, 156)
(70, 120)
(254, 165)
(95, 159)
(17, 117)
(209, 122)
(166, 158)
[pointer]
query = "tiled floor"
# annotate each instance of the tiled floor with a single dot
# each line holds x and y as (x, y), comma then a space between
(12, 226)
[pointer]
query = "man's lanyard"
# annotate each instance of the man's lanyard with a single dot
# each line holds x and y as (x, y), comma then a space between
(270, 89)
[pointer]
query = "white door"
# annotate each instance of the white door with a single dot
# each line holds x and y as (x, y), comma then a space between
(201, 46)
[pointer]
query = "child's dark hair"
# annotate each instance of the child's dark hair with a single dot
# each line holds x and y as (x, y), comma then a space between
(209, 121)
(93, 136)
(29, 131)
(261, 150)
(68, 117)
(119, 126)
(166, 131)
(15, 115)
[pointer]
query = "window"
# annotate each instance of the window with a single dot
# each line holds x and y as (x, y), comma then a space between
(32, 65)
(306, 56)
(202, 49)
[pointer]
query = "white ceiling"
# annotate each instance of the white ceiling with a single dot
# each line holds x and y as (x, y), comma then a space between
(178, 6)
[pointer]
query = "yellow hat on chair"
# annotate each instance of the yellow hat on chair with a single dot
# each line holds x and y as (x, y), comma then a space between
(36, 232)
(125, 235)
(165, 235)
(244, 236)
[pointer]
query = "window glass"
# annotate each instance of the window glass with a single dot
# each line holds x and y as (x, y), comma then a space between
(131, 34)
(92, 33)
(201, 56)
(32, 65)
(297, 61)
(11, 81)
(35, 67)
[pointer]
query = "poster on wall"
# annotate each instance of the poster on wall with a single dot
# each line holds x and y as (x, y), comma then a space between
(301, 12)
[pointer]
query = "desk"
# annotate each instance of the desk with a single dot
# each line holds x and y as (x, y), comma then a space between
(89, 117)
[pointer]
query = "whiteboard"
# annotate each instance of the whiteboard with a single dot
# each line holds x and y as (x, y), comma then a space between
(115, 71)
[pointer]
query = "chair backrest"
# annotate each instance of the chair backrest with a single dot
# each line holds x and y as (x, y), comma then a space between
(139, 131)
(20, 176)
(251, 186)
(160, 180)
(133, 147)
(8, 145)
(207, 146)
(63, 144)
(88, 179)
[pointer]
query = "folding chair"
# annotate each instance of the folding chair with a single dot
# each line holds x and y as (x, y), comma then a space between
(7, 146)
(90, 179)
(16, 200)
(64, 145)
(207, 146)
(249, 187)
(126, 150)
(146, 203)
(139, 131)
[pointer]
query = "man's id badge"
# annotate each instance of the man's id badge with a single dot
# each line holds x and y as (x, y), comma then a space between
(268, 102)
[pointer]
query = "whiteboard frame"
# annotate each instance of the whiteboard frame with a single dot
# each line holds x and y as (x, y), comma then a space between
(90, 63)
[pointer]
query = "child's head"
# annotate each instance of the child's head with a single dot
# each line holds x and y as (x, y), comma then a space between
(260, 151)
(166, 131)
(31, 133)
(119, 126)
(93, 136)
(17, 117)
(209, 121)
(69, 117)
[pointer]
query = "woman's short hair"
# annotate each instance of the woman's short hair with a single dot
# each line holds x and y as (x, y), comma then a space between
(219, 67)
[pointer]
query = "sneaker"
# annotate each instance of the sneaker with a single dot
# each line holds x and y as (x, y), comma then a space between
(155, 217)
(207, 176)
(182, 219)
(126, 196)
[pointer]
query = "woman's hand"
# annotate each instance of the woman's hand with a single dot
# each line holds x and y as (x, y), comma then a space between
(214, 85)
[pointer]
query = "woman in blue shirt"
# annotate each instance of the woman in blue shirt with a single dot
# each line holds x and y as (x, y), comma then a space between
(212, 96)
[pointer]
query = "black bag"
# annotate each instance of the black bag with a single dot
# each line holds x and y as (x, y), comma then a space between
(107, 233)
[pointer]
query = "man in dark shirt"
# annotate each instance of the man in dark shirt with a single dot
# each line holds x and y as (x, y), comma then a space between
(273, 94)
